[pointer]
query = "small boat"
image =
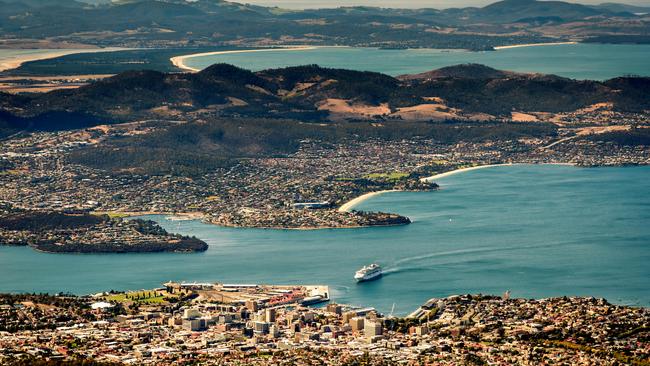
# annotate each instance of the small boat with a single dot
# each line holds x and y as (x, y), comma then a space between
(368, 273)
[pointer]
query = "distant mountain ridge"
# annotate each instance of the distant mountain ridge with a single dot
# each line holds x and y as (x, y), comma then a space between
(508, 11)
(618, 7)
(205, 22)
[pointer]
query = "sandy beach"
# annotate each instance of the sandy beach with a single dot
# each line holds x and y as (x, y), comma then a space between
(532, 45)
(348, 206)
(11, 59)
(179, 61)
(447, 174)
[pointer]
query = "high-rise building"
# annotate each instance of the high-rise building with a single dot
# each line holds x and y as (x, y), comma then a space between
(269, 315)
(372, 328)
(348, 315)
(274, 331)
(357, 324)
(261, 327)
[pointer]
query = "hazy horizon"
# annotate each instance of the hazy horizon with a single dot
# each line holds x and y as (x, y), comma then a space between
(438, 4)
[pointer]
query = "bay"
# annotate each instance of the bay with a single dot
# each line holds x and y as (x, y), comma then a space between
(535, 230)
(577, 61)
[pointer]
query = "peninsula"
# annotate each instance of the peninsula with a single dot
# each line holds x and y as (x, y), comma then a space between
(58, 232)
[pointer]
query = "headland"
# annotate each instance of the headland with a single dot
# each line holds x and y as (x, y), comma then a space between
(81, 232)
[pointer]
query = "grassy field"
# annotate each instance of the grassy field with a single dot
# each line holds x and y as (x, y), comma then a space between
(387, 176)
(117, 215)
(141, 297)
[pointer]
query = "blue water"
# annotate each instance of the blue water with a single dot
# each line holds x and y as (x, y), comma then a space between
(578, 61)
(535, 230)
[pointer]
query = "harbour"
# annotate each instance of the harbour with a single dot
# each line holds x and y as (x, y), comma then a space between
(462, 240)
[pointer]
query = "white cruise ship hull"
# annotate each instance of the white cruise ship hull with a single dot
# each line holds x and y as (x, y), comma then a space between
(368, 277)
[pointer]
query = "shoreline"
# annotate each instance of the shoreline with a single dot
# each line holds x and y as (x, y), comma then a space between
(498, 48)
(14, 62)
(348, 206)
(179, 61)
(200, 217)
(462, 170)
(315, 228)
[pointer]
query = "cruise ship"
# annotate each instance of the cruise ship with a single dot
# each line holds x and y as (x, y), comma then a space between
(368, 273)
